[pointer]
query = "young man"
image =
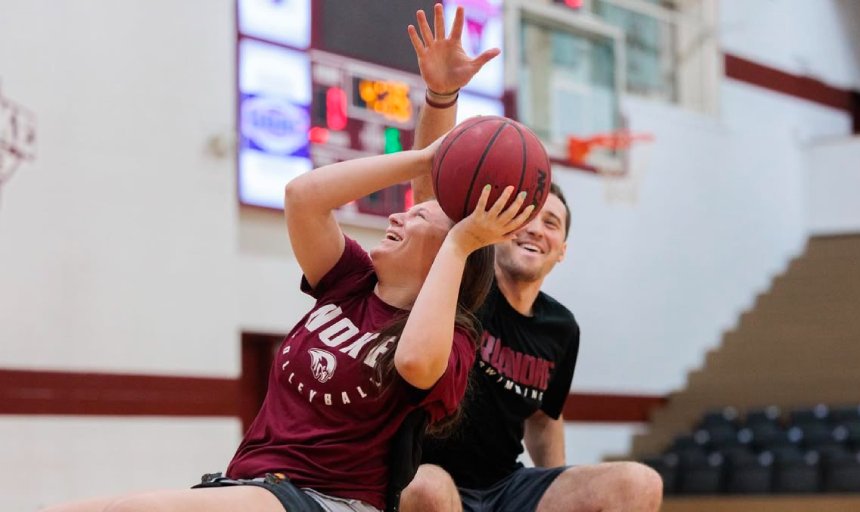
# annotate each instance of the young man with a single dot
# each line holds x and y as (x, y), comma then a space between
(525, 364)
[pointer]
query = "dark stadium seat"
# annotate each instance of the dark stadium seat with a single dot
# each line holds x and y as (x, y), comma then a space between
(718, 436)
(811, 426)
(770, 414)
(848, 434)
(842, 472)
(811, 435)
(816, 450)
(686, 445)
(747, 472)
(795, 472)
(719, 428)
(847, 426)
(667, 467)
(723, 416)
(764, 436)
(701, 474)
(817, 414)
(763, 428)
(840, 414)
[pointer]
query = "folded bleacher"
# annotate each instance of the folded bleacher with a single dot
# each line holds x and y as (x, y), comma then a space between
(765, 451)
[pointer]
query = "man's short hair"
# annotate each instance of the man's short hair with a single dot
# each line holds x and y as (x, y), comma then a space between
(556, 191)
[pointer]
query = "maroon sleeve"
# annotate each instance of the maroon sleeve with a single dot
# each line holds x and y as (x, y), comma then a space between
(445, 396)
(350, 273)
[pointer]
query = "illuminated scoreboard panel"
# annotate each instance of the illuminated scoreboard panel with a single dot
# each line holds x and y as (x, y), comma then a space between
(275, 97)
(304, 103)
(361, 110)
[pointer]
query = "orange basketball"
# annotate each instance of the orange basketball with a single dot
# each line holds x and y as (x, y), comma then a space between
(489, 150)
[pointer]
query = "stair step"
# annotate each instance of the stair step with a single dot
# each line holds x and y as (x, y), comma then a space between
(787, 351)
(796, 347)
(833, 247)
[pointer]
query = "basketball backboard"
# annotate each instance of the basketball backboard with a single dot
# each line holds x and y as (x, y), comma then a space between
(568, 72)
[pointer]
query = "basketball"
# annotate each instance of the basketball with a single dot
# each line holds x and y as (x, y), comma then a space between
(489, 150)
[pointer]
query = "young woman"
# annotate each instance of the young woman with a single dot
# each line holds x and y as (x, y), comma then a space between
(391, 332)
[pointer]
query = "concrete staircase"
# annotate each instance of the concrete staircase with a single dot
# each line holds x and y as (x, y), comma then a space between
(798, 346)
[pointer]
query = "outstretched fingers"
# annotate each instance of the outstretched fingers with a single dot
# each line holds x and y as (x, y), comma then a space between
(511, 211)
(500, 203)
(439, 21)
(509, 217)
(489, 224)
(416, 41)
(517, 222)
(485, 57)
(424, 28)
(457, 27)
(483, 199)
(512, 217)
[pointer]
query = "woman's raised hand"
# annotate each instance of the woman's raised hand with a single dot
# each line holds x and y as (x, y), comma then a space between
(486, 226)
(442, 61)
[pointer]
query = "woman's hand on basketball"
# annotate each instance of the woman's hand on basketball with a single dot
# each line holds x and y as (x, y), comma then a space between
(442, 61)
(487, 226)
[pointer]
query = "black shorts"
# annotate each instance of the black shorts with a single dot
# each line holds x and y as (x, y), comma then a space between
(291, 497)
(518, 492)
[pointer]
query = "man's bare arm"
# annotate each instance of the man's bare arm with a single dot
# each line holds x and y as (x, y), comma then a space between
(544, 439)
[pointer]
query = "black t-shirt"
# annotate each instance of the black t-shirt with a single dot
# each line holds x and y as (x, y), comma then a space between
(523, 364)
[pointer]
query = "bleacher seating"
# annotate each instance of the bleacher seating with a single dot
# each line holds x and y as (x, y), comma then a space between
(806, 451)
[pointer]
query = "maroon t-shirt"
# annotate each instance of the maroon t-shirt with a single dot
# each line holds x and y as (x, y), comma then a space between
(322, 423)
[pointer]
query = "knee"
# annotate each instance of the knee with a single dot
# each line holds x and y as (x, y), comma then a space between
(431, 489)
(639, 483)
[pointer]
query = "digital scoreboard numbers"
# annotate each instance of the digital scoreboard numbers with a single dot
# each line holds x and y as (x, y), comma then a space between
(388, 98)
(315, 88)
(359, 110)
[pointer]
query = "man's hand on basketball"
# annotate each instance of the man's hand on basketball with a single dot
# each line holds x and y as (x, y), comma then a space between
(486, 226)
(444, 64)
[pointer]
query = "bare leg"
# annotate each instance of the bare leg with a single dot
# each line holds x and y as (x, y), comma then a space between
(607, 487)
(89, 505)
(431, 489)
(220, 499)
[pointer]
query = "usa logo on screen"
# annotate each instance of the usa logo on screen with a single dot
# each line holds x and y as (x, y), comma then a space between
(274, 125)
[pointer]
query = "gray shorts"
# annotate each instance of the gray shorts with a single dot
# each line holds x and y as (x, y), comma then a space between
(291, 497)
(521, 491)
(335, 504)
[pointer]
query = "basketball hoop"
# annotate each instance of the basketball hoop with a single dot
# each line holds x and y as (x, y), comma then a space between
(609, 155)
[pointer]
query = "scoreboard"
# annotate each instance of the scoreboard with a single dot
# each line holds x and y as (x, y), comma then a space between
(329, 80)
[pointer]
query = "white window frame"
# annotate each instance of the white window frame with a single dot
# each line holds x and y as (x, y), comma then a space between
(696, 72)
(567, 20)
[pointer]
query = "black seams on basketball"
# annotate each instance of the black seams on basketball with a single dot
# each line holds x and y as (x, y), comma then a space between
(489, 150)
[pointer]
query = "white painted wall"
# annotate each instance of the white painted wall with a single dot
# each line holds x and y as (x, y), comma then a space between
(122, 247)
(117, 244)
(820, 39)
(720, 210)
(47, 460)
(834, 182)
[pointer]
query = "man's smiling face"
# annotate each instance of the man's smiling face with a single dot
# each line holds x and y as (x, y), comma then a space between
(537, 247)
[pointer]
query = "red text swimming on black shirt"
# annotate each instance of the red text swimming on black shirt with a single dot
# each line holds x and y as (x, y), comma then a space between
(524, 374)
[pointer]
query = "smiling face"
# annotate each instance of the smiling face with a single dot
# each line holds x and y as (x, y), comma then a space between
(537, 247)
(412, 240)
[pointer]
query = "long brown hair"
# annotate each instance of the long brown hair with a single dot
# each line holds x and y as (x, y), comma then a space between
(477, 279)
